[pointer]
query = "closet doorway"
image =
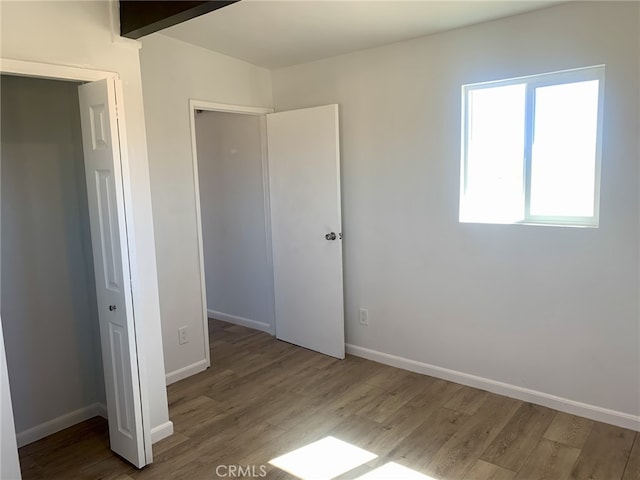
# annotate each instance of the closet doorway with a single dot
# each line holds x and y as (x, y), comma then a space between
(66, 304)
(233, 200)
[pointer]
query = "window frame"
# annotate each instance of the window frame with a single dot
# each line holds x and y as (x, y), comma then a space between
(532, 82)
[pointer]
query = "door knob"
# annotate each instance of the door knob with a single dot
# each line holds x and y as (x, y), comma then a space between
(112, 308)
(330, 236)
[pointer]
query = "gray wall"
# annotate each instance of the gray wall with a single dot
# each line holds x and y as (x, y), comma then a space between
(233, 222)
(550, 309)
(48, 308)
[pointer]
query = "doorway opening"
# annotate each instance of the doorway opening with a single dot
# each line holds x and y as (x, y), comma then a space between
(287, 227)
(231, 178)
(65, 259)
(48, 302)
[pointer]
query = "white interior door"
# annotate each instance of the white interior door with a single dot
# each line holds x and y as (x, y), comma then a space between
(101, 146)
(304, 182)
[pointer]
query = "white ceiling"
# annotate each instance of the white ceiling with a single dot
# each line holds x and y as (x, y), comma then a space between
(275, 34)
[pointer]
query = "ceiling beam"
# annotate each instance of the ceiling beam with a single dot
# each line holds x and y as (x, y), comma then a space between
(142, 17)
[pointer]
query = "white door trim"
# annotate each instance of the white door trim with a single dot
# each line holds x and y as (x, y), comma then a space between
(246, 110)
(72, 73)
(224, 107)
(49, 70)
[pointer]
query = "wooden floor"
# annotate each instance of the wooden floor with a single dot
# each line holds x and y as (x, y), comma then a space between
(263, 398)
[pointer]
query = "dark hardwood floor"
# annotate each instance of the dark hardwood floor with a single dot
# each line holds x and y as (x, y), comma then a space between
(263, 398)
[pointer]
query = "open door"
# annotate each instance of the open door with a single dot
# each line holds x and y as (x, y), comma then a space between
(129, 435)
(306, 225)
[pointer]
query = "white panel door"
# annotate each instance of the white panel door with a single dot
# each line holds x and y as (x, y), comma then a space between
(304, 182)
(111, 262)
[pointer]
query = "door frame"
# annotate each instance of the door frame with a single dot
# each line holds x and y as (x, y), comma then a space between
(244, 110)
(78, 74)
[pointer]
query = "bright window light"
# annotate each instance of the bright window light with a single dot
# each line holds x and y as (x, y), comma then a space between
(323, 460)
(494, 153)
(394, 471)
(531, 149)
(564, 150)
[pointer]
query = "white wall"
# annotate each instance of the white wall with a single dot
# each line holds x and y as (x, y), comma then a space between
(80, 34)
(49, 309)
(550, 309)
(237, 267)
(174, 72)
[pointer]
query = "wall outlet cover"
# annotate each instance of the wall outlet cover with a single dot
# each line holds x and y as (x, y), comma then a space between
(364, 316)
(182, 335)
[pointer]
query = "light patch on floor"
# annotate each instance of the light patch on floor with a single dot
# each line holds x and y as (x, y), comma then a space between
(324, 459)
(394, 471)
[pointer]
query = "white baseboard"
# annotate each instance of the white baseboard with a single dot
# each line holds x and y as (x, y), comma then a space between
(593, 412)
(50, 427)
(60, 423)
(245, 322)
(162, 431)
(184, 372)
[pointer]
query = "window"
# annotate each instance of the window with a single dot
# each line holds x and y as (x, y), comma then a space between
(531, 149)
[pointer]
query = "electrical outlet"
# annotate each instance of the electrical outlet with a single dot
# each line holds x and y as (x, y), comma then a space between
(364, 317)
(182, 335)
